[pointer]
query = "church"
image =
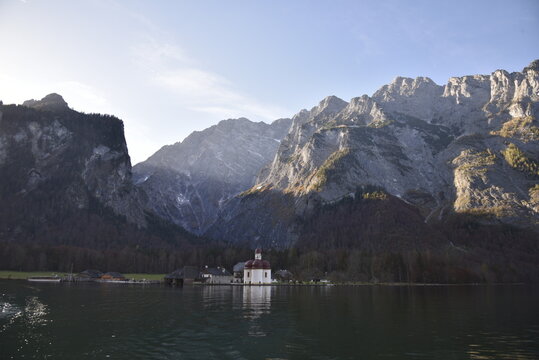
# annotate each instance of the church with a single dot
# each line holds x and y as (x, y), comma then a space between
(257, 271)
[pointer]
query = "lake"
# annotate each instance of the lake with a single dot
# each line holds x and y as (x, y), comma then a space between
(101, 321)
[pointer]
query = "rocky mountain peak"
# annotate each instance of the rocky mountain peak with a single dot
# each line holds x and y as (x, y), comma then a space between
(402, 87)
(233, 122)
(80, 159)
(301, 117)
(51, 102)
(361, 110)
(188, 182)
(436, 147)
(534, 66)
(329, 105)
(359, 102)
(414, 97)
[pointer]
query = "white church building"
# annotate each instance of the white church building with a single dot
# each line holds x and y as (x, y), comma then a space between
(257, 271)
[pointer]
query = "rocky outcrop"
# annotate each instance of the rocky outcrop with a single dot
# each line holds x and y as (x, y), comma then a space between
(188, 182)
(48, 151)
(440, 148)
(51, 102)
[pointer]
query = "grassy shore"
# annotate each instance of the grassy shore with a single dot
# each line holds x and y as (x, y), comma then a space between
(23, 275)
(145, 276)
(18, 275)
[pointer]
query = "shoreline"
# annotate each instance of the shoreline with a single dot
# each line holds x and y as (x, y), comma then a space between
(158, 279)
(24, 275)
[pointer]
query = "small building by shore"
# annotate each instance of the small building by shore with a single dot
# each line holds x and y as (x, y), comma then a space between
(89, 274)
(113, 275)
(218, 275)
(283, 275)
(238, 272)
(185, 275)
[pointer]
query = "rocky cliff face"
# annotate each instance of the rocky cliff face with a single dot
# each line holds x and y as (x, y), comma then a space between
(467, 147)
(188, 182)
(55, 161)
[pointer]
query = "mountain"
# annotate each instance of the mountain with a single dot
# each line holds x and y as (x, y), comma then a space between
(468, 148)
(84, 157)
(188, 182)
(418, 182)
(66, 188)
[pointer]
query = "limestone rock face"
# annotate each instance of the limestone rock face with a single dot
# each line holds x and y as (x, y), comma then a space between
(188, 182)
(74, 159)
(469, 146)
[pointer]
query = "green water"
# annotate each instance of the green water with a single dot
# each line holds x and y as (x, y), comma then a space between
(102, 321)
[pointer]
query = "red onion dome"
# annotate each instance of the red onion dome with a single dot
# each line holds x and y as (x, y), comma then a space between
(266, 264)
(257, 264)
(258, 251)
(248, 264)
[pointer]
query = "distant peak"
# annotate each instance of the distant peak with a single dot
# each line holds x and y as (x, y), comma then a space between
(241, 120)
(282, 121)
(400, 79)
(363, 99)
(534, 65)
(418, 80)
(332, 100)
(330, 104)
(51, 102)
(54, 97)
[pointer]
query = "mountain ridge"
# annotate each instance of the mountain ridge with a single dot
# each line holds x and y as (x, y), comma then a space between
(438, 147)
(187, 182)
(423, 182)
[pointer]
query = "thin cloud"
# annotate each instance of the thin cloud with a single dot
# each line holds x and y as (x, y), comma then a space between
(81, 96)
(197, 89)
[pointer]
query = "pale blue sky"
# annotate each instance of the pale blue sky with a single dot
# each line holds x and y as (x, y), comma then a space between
(168, 68)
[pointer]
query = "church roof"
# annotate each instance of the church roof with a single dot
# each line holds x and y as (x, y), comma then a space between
(257, 264)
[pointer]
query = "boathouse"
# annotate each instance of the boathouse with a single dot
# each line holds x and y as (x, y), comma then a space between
(283, 275)
(90, 274)
(186, 275)
(218, 275)
(238, 272)
(113, 275)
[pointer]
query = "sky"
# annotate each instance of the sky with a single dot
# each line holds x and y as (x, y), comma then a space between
(168, 68)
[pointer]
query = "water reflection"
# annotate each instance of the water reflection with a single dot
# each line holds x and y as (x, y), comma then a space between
(8, 310)
(35, 312)
(256, 302)
(34, 317)
(499, 346)
(29, 316)
(262, 322)
(215, 295)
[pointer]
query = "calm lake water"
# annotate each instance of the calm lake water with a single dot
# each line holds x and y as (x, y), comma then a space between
(100, 321)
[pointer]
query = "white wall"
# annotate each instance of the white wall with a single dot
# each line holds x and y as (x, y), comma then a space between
(219, 279)
(257, 276)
